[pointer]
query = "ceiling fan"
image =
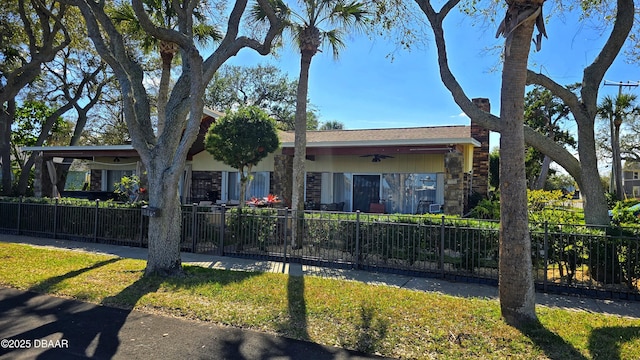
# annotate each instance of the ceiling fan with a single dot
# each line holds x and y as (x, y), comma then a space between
(378, 157)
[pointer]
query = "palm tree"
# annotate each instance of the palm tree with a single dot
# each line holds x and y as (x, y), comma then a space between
(516, 288)
(615, 111)
(307, 28)
(163, 14)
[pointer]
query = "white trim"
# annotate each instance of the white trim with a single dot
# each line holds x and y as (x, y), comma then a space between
(78, 148)
(213, 113)
(397, 142)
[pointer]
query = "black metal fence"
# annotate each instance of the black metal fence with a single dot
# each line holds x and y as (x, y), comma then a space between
(576, 259)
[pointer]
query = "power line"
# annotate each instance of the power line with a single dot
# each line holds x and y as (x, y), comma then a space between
(621, 84)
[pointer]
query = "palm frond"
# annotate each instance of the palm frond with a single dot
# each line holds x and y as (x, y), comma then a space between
(122, 13)
(203, 33)
(279, 7)
(334, 38)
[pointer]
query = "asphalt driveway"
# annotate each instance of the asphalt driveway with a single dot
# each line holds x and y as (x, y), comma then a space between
(36, 326)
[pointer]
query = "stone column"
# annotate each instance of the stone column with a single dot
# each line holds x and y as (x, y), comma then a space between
(95, 180)
(480, 178)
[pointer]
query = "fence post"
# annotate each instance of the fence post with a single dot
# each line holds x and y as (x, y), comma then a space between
(141, 239)
(546, 255)
(95, 222)
(55, 219)
(286, 231)
(223, 221)
(19, 213)
(357, 239)
(194, 225)
(441, 259)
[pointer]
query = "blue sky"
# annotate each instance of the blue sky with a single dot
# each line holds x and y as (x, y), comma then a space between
(364, 88)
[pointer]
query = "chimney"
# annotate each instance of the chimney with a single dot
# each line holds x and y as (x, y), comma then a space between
(480, 180)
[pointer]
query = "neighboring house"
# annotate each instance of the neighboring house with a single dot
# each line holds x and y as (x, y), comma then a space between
(631, 179)
(406, 170)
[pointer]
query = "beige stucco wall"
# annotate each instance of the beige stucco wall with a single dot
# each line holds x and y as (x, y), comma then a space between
(204, 161)
(357, 164)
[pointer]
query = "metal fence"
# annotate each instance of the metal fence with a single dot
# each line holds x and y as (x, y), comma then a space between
(576, 259)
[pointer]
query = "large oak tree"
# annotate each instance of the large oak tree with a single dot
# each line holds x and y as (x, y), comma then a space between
(516, 287)
(163, 155)
(582, 103)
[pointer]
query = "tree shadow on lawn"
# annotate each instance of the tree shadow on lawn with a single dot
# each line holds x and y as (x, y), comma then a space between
(368, 333)
(91, 330)
(553, 345)
(604, 343)
(296, 324)
(76, 322)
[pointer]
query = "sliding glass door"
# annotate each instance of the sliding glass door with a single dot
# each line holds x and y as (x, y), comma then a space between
(366, 190)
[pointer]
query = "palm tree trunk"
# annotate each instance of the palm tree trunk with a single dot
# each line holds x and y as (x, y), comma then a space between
(517, 294)
(617, 160)
(300, 146)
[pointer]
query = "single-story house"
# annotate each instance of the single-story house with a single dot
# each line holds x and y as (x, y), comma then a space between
(401, 170)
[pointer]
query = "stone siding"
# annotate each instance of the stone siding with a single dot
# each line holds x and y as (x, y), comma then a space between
(206, 185)
(480, 180)
(314, 187)
(96, 180)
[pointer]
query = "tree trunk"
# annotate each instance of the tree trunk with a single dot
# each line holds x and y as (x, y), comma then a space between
(165, 229)
(165, 78)
(243, 184)
(63, 169)
(544, 173)
(300, 146)
(591, 189)
(517, 293)
(617, 160)
(6, 119)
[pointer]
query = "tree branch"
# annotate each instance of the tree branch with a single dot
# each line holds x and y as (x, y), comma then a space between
(594, 73)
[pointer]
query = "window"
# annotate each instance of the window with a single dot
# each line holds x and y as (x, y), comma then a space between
(258, 187)
(636, 175)
(400, 193)
(343, 189)
(412, 193)
(111, 177)
(636, 191)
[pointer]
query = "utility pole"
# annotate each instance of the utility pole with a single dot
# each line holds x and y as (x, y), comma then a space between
(615, 182)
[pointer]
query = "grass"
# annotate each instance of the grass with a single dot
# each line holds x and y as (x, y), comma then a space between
(376, 319)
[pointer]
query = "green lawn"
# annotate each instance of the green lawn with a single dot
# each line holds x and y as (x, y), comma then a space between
(376, 319)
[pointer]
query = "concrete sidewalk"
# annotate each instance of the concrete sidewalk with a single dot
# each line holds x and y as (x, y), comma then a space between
(610, 307)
